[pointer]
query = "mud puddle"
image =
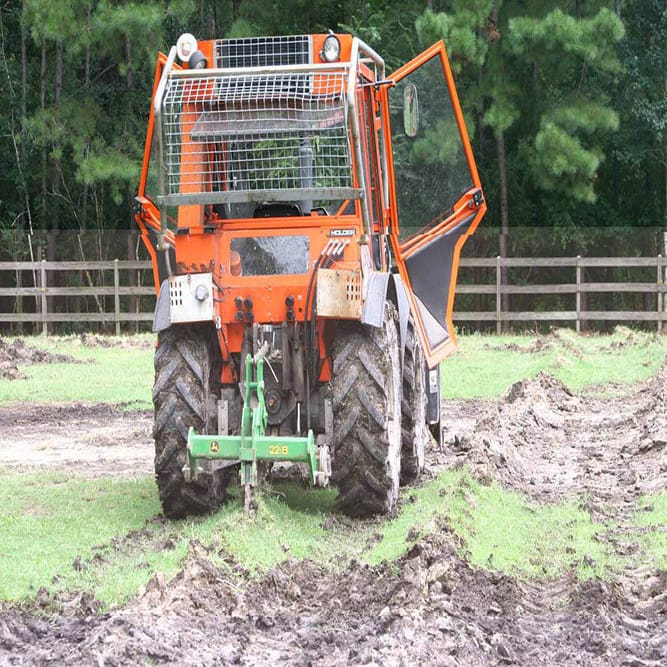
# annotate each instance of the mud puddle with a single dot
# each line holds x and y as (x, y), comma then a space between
(91, 440)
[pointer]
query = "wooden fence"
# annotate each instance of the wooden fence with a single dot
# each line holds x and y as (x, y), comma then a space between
(91, 273)
(577, 287)
(115, 283)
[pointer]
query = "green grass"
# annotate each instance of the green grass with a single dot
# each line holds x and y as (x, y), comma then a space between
(501, 530)
(485, 366)
(652, 515)
(48, 521)
(109, 375)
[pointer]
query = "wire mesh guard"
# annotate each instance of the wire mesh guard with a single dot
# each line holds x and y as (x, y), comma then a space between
(245, 137)
(263, 51)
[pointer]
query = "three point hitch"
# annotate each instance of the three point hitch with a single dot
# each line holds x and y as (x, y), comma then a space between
(253, 445)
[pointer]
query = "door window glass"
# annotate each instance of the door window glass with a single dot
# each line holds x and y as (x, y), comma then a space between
(430, 165)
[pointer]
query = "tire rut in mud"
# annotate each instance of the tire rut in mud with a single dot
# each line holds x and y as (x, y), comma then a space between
(431, 606)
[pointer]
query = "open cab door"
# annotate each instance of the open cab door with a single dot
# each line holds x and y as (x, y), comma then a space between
(437, 200)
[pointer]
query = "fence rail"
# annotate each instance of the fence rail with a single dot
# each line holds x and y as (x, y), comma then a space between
(578, 287)
(41, 291)
(14, 290)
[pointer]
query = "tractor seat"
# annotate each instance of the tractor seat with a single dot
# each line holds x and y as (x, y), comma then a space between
(277, 209)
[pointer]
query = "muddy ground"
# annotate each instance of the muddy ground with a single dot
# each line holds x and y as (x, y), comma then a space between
(608, 446)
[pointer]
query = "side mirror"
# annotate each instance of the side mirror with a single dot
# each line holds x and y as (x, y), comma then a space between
(410, 110)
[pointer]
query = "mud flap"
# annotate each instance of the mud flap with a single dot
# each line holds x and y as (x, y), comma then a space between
(433, 395)
(161, 315)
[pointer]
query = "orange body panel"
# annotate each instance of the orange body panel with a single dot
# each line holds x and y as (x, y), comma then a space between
(202, 241)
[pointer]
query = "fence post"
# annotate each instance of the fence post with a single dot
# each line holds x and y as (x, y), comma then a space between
(19, 298)
(42, 280)
(116, 296)
(578, 325)
(499, 281)
(661, 294)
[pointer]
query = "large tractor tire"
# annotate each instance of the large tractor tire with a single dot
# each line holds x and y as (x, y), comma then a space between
(187, 365)
(414, 432)
(366, 390)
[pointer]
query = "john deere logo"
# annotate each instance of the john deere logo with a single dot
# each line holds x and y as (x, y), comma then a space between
(215, 446)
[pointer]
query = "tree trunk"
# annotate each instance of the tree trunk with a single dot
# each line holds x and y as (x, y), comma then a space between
(214, 20)
(480, 114)
(57, 94)
(83, 218)
(132, 275)
(42, 101)
(24, 87)
(89, 11)
(618, 8)
(58, 78)
(504, 213)
(129, 76)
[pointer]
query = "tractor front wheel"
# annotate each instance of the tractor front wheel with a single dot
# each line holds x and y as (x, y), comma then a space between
(187, 364)
(366, 390)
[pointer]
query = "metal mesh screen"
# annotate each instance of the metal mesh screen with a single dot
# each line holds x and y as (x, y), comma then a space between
(263, 51)
(253, 137)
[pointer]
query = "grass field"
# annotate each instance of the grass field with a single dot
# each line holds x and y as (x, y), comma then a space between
(62, 532)
(101, 535)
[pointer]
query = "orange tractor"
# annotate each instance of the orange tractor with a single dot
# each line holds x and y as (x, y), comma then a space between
(305, 214)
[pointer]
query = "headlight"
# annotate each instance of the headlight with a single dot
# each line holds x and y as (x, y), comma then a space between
(186, 46)
(330, 49)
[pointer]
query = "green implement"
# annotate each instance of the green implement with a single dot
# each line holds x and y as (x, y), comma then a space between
(253, 445)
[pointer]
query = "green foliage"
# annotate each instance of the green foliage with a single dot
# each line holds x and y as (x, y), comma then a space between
(459, 29)
(562, 164)
(577, 93)
(501, 113)
(560, 35)
(486, 366)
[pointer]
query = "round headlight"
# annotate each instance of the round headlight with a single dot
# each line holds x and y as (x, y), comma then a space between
(197, 60)
(331, 49)
(186, 46)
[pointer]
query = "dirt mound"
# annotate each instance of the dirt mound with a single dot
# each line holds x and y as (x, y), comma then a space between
(547, 442)
(122, 342)
(18, 353)
(556, 339)
(431, 607)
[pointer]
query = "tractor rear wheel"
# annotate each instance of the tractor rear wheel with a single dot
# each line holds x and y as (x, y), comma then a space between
(414, 432)
(366, 448)
(187, 365)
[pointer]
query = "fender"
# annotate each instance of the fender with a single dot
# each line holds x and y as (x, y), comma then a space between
(380, 286)
(161, 320)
